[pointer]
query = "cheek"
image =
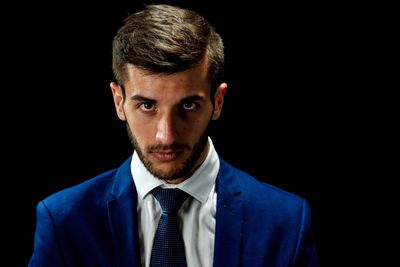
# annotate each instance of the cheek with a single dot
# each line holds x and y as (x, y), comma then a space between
(141, 130)
(197, 126)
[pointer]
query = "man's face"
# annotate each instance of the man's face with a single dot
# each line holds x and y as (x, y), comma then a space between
(167, 117)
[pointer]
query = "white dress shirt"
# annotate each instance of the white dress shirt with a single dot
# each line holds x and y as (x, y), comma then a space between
(196, 216)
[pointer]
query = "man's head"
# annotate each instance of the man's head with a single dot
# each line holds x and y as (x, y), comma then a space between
(168, 64)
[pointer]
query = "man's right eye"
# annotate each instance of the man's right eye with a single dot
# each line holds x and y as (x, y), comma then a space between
(147, 106)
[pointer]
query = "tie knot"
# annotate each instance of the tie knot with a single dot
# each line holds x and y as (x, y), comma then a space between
(170, 199)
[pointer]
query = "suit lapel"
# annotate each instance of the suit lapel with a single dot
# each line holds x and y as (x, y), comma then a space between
(229, 219)
(123, 218)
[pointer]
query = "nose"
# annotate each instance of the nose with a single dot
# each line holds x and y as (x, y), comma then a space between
(166, 129)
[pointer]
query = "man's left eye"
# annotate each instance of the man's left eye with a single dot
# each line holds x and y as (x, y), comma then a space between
(189, 106)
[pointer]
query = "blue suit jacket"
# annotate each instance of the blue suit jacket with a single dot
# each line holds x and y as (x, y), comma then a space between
(95, 224)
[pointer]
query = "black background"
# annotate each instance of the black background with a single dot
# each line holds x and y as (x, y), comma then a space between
(287, 120)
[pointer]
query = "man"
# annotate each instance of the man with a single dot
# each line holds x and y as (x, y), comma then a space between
(168, 64)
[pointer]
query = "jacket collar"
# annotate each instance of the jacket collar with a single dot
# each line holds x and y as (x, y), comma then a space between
(229, 219)
(123, 218)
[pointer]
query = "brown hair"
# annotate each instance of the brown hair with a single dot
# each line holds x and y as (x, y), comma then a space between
(167, 39)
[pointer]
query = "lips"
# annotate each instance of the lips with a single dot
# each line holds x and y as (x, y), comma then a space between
(165, 156)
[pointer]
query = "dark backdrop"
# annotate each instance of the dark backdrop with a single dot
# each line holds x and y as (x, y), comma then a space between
(281, 120)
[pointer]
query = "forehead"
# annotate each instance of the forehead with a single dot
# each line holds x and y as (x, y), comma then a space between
(191, 81)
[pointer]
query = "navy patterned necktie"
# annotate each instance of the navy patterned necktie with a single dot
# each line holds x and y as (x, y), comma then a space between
(168, 248)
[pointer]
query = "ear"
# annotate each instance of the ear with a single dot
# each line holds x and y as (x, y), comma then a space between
(219, 100)
(118, 100)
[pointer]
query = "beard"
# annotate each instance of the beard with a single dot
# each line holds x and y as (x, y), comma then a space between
(185, 169)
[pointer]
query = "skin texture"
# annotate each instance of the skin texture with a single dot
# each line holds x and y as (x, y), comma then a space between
(167, 117)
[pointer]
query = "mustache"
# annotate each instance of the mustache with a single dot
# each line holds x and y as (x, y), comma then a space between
(161, 147)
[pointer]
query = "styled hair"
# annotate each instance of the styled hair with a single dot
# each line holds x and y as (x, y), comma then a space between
(167, 39)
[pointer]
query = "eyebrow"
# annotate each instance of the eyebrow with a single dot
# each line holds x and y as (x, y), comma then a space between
(192, 98)
(146, 99)
(141, 98)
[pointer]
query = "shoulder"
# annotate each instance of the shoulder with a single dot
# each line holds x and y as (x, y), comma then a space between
(86, 203)
(82, 195)
(96, 190)
(258, 194)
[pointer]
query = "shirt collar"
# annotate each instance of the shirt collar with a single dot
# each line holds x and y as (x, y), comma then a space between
(198, 185)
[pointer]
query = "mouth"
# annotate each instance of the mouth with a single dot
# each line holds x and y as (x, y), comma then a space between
(166, 155)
